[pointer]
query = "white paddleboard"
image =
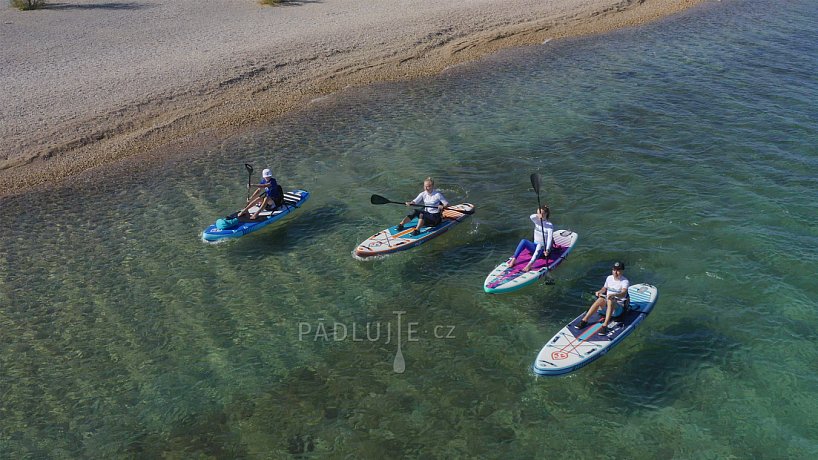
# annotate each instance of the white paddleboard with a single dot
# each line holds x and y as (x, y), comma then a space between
(573, 348)
(505, 278)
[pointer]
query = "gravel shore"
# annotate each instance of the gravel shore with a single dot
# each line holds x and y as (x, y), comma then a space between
(84, 84)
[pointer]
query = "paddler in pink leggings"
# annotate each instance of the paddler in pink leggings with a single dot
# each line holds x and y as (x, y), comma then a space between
(543, 238)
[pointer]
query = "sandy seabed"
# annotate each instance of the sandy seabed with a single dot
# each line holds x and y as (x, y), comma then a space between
(86, 84)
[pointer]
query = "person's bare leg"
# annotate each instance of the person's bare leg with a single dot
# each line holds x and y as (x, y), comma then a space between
(249, 204)
(594, 307)
(608, 312)
(260, 207)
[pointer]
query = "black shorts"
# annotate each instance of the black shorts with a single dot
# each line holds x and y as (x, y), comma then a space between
(278, 200)
(429, 219)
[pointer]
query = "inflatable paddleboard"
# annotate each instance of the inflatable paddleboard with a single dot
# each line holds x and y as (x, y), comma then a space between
(393, 240)
(505, 278)
(573, 348)
(236, 227)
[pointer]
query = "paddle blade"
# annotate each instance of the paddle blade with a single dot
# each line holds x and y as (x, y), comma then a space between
(377, 199)
(535, 182)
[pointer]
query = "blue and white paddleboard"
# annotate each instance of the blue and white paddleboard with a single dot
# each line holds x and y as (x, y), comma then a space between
(244, 224)
(573, 348)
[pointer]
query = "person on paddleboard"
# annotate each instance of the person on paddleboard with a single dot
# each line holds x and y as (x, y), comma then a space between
(433, 204)
(614, 294)
(268, 192)
(543, 238)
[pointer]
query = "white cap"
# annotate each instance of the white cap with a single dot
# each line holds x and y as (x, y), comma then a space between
(266, 173)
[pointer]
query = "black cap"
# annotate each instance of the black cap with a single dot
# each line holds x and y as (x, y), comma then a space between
(618, 266)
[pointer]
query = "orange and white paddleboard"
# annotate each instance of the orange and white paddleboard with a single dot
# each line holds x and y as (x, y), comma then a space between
(392, 240)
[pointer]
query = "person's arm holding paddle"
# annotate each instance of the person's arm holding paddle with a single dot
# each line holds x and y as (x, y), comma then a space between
(418, 200)
(442, 203)
(549, 239)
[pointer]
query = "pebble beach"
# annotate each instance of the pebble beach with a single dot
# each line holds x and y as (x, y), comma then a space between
(86, 84)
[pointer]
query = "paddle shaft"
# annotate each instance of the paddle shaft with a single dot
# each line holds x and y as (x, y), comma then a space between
(377, 199)
(249, 169)
(415, 205)
(461, 211)
(535, 182)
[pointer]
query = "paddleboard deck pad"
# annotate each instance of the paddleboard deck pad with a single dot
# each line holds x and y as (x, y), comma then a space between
(244, 224)
(392, 240)
(505, 278)
(573, 348)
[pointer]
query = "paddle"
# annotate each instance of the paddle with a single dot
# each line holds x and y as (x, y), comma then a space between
(535, 182)
(377, 199)
(249, 169)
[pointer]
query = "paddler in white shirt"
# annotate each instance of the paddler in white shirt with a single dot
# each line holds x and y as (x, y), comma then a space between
(613, 294)
(433, 204)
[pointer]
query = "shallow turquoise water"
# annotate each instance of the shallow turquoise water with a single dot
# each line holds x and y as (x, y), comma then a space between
(686, 148)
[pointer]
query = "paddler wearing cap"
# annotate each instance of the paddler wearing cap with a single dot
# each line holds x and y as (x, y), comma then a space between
(267, 193)
(614, 293)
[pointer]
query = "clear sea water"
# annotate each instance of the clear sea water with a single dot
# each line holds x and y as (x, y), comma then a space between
(686, 148)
